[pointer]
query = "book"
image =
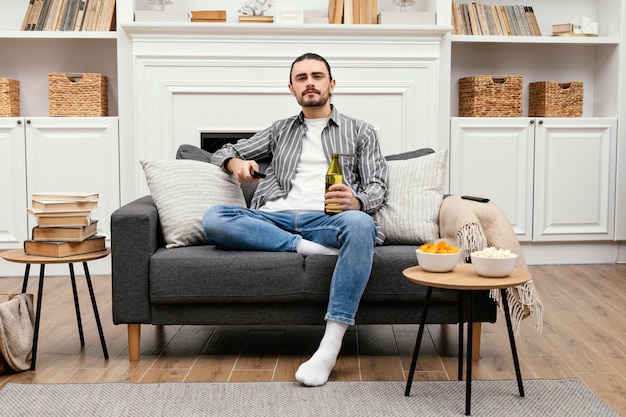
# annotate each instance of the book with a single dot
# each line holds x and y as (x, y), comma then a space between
(208, 15)
(256, 19)
(372, 11)
(80, 16)
(43, 15)
(65, 196)
(62, 249)
(336, 12)
(59, 205)
(66, 233)
(348, 13)
(532, 21)
(29, 11)
(564, 28)
(482, 18)
(63, 221)
(59, 213)
(106, 17)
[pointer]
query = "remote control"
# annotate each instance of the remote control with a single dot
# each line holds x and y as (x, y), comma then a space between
(473, 198)
(257, 174)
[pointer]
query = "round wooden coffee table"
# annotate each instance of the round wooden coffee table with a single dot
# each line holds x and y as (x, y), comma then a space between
(465, 280)
(19, 256)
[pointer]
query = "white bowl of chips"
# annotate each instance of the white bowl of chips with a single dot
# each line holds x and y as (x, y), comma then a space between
(437, 257)
(493, 263)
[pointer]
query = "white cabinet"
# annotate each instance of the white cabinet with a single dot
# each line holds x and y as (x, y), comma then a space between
(75, 154)
(553, 177)
(56, 154)
(13, 225)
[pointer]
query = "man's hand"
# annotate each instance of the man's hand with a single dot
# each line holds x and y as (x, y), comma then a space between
(242, 170)
(340, 195)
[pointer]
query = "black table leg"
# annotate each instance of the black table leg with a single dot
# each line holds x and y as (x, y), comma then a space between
(25, 281)
(76, 305)
(468, 376)
(42, 268)
(461, 310)
(509, 326)
(418, 342)
(95, 311)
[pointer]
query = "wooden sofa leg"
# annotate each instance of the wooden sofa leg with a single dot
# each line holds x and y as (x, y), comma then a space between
(134, 341)
(476, 327)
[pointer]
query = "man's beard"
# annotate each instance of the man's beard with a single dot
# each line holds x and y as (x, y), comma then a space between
(319, 102)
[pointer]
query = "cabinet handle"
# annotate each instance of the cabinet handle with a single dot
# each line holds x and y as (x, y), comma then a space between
(19, 121)
(540, 122)
(532, 121)
(27, 121)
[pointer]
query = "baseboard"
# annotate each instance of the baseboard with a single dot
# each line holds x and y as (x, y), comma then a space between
(573, 253)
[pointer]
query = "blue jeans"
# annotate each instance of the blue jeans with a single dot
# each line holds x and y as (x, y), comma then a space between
(352, 232)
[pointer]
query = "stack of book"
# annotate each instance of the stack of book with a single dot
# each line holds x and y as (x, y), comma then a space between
(496, 20)
(64, 225)
(564, 29)
(353, 11)
(208, 16)
(69, 15)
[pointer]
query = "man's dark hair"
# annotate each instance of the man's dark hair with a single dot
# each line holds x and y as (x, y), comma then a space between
(310, 55)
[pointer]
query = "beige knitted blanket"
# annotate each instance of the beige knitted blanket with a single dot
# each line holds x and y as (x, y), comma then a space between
(16, 331)
(473, 226)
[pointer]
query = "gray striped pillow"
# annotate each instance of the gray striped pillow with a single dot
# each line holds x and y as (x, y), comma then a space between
(182, 190)
(415, 193)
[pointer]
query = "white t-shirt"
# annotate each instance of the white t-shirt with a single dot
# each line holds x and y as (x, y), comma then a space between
(309, 182)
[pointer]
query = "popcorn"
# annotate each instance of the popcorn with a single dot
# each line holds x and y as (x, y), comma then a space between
(493, 252)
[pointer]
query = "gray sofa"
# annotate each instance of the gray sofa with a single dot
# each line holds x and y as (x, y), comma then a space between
(208, 285)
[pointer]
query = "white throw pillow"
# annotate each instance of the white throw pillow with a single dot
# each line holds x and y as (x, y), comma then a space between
(182, 190)
(415, 193)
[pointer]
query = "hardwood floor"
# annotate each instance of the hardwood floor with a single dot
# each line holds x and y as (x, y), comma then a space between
(584, 337)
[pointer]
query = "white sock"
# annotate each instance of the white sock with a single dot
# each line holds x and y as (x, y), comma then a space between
(315, 371)
(308, 247)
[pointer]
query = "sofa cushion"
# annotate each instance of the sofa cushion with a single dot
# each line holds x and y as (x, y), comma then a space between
(415, 193)
(208, 274)
(182, 191)
(187, 151)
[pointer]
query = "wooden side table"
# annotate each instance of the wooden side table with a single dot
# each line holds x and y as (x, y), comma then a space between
(465, 280)
(18, 255)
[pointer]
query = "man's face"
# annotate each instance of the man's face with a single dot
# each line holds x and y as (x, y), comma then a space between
(310, 83)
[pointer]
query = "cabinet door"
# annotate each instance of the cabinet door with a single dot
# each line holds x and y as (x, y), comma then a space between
(575, 179)
(492, 157)
(75, 154)
(13, 203)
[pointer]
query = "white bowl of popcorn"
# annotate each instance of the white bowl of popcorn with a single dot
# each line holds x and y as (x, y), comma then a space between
(493, 263)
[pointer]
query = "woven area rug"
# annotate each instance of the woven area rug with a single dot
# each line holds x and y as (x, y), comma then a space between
(337, 399)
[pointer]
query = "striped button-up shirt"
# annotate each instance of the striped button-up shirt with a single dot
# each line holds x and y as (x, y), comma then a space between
(364, 168)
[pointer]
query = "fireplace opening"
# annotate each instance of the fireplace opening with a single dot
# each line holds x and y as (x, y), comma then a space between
(212, 141)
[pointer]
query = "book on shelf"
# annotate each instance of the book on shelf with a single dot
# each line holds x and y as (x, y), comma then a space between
(59, 205)
(564, 28)
(256, 19)
(208, 15)
(63, 220)
(64, 233)
(476, 18)
(70, 15)
(353, 11)
(62, 249)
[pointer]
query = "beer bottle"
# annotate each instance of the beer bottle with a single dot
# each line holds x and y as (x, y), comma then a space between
(333, 176)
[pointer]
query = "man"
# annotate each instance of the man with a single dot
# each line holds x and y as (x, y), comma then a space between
(287, 209)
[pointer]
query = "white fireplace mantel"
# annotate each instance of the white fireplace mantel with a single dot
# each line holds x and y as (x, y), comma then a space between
(194, 78)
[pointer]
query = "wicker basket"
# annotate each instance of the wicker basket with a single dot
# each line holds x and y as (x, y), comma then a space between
(9, 97)
(73, 95)
(555, 99)
(490, 96)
